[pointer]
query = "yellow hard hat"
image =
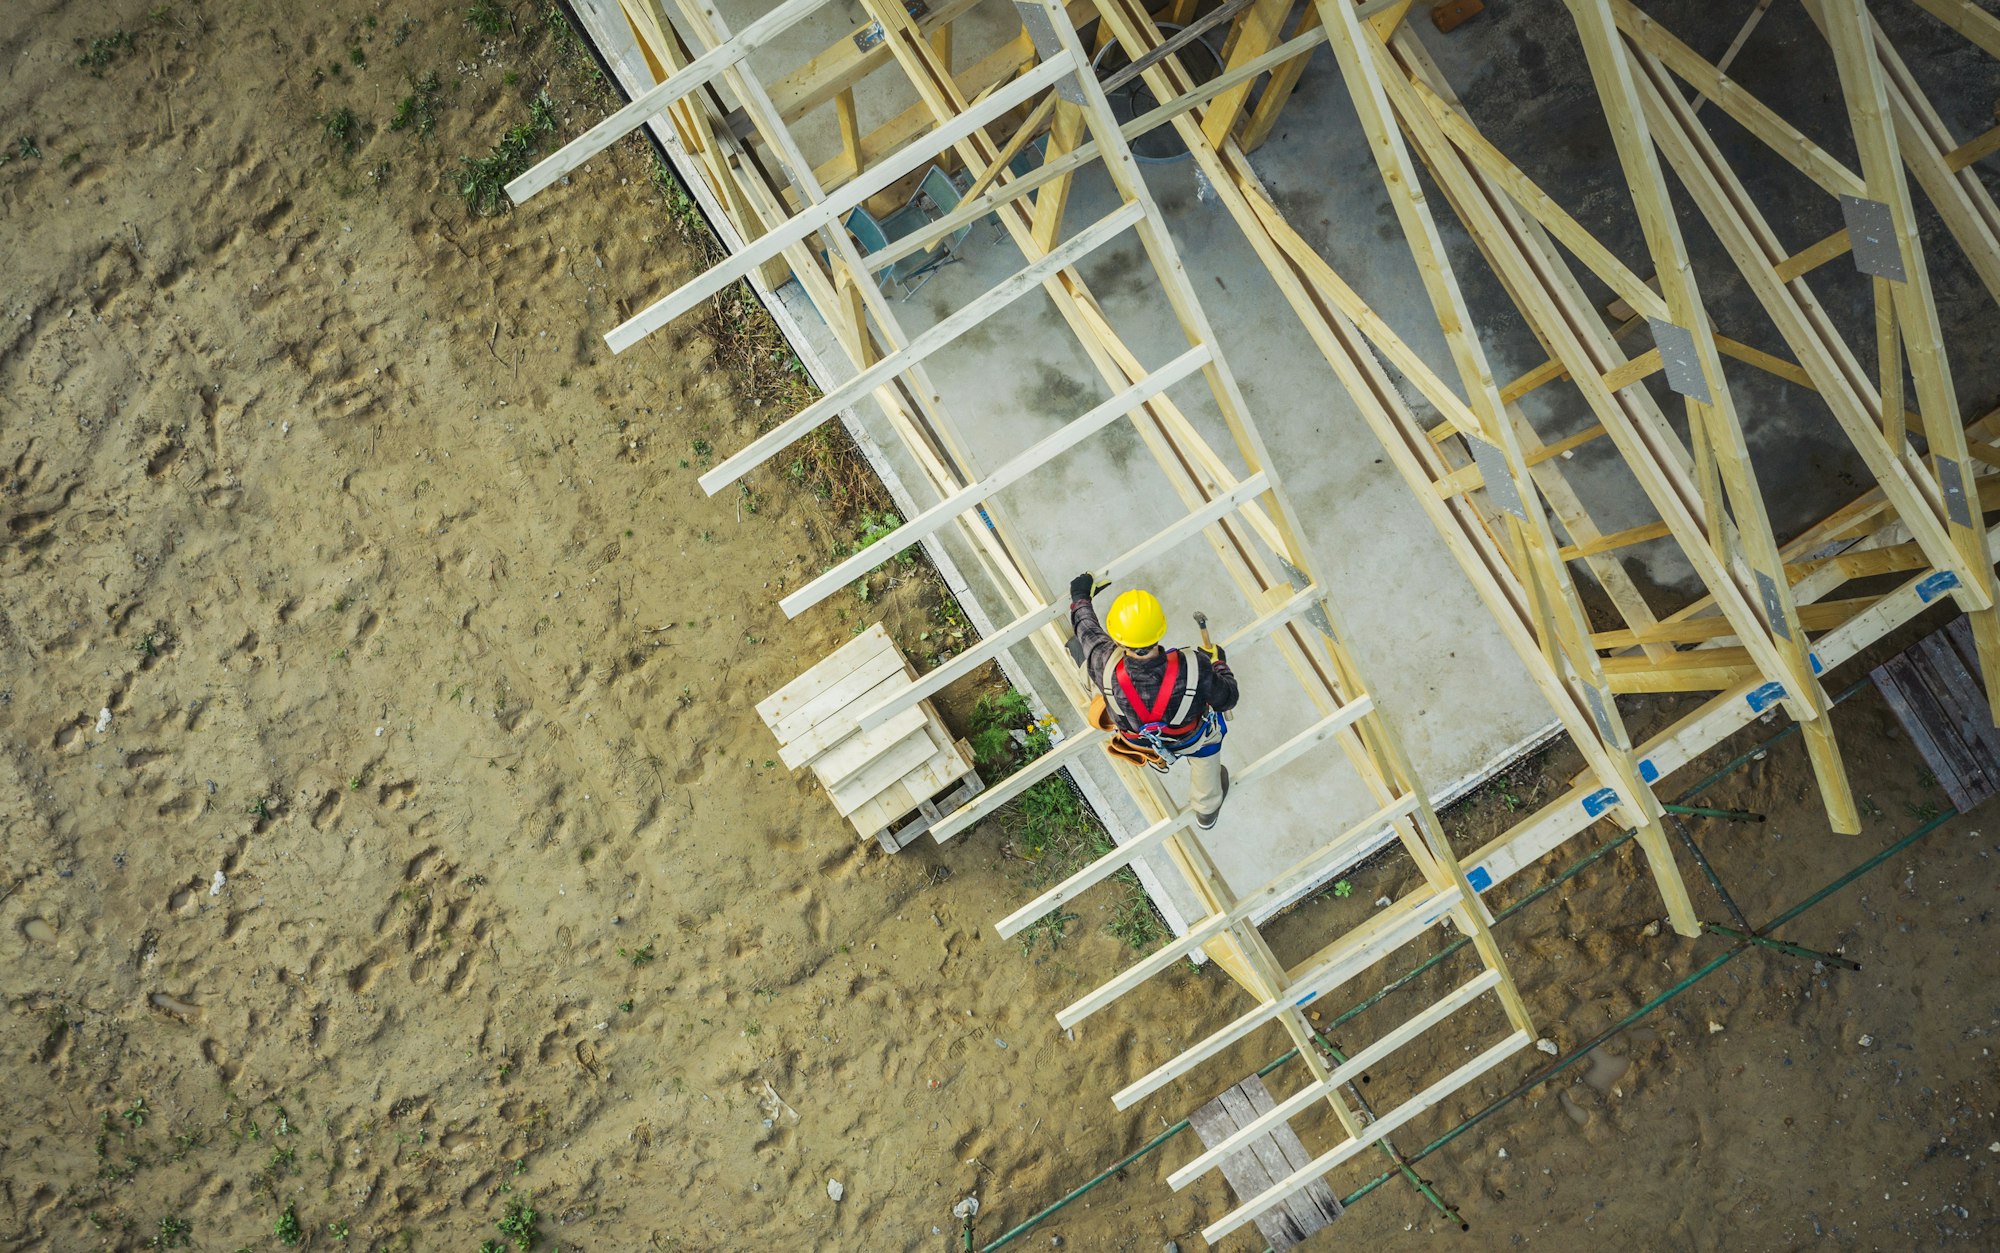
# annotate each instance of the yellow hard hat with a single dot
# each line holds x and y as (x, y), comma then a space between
(1136, 619)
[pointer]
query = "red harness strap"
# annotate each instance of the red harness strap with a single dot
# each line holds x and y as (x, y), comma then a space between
(1153, 715)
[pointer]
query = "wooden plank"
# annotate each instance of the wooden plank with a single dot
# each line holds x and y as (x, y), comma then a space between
(1096, 872)
(829, 212)
(1349, 955)
(1314, 1203)
(1340, 719)
(1959, 631)
(835, 729)
(992, 301)
(1375, 1131)
(835, 666)
(1922, 720)
(873, 669)
(1291, 1223)
(1018, 782)
(1330, 857)
(1244, 1170)
(649, 104)
(885, 770)
(1043, 451)
(1347, 1072)
(1954, 687)
(1260, 1161)
(861, 747)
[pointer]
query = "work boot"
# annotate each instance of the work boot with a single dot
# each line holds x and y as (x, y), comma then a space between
(1206, 821)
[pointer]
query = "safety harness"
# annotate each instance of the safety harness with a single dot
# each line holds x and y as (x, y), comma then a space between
(1165, 724)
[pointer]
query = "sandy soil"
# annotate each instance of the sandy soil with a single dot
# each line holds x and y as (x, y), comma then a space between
(432, 862)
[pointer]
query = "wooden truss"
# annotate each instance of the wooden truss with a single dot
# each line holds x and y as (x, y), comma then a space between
(1775, 614)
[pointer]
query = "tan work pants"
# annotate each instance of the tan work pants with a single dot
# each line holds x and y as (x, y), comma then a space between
(1205, 783)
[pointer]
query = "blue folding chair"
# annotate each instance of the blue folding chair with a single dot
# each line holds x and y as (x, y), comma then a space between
(936, 196)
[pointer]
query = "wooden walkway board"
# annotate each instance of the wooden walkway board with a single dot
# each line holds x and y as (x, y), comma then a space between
(1251, 1171)
(1935, 689)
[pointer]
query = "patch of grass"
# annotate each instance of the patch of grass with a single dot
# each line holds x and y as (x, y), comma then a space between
(24, 150)
(287, 1227)
(101, 51)
(418, 111)
(639, 956)
(482, 181)
(1135, 921)
(342, 129)
(175, 1233)
(357, 55)
(521, 1224)
(1050, 927)
(488, 18)
(682, 210)
(338, 1231)
(136, 1113)
(995, 718)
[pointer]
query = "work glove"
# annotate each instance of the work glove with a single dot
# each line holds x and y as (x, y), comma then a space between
(1080, 587)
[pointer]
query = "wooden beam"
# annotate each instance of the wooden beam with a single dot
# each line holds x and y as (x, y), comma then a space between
(1850, 32)
(1014, 632)
(838, 205)
(1264, 1202)
(650, 104)
(1043, 451)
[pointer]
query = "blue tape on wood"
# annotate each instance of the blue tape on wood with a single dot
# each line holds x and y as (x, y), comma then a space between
(1480, 878)
(1648, 771)
(1818, 666)
(1310, 996)
(1766, 696)
(1936, 585)
(1599, 801)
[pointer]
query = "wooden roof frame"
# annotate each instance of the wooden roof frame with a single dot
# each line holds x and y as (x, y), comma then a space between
(1761, 636)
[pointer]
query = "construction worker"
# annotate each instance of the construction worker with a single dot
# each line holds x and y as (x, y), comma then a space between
(1160, 704)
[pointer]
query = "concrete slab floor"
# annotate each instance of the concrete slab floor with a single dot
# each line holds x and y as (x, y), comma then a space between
(1430, 652)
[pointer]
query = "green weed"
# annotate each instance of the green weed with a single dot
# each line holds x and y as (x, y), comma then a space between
(418, 111)
(100, 52)
(488, 18)
(342, 129)
(521, 1224)
(482, 181)
(175, 1233)
(638, 956)
(287, 1227)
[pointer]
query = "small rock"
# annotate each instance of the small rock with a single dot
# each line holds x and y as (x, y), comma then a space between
(1652, 929)
(1547, 1046)
(1171, 1246)
(1865, 1041)
(1714, 1027)
(835, 1190)
(1055, 1242)
(215, 884)
(1384, 903)
(103, 719)
(999, 1043)
(1502, 1155)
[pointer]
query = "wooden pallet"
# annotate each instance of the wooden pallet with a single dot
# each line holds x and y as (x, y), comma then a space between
(1254, 1168)
(893, 783)
(1935, 689)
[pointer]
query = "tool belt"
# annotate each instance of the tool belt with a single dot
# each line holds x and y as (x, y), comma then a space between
(1154, 751)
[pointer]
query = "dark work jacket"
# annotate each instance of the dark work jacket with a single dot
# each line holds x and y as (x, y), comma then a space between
(1215, 690)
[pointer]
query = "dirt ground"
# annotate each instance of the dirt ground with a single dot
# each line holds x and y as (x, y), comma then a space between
(393, 858)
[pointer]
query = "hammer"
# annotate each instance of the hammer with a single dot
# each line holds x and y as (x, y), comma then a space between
(1201, 620)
